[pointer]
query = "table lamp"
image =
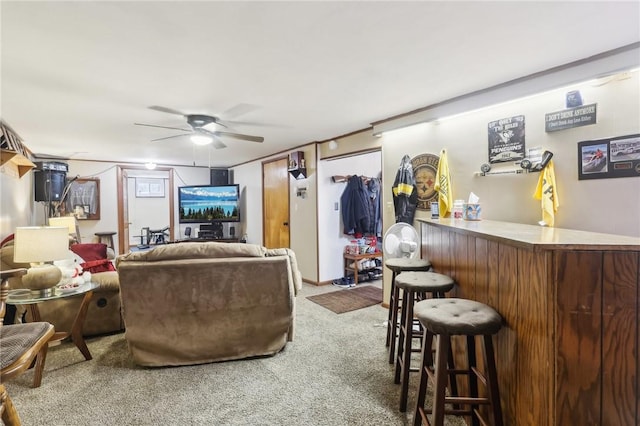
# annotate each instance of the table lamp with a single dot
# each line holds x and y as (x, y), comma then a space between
(68, 222)
(37, 245)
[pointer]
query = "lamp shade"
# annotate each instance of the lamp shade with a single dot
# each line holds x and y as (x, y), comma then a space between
(37, 244)
(66, 221)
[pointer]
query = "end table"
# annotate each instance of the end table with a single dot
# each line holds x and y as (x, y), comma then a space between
(25, 297)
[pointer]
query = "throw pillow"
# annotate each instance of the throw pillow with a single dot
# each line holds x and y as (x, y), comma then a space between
(90, 251)
(96, 266)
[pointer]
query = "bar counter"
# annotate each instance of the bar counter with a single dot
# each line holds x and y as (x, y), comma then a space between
(568, 350)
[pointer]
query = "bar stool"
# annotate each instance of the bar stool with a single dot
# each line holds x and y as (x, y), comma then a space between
(106, 238)
(398, 265)
(445, 318)
(415, 286)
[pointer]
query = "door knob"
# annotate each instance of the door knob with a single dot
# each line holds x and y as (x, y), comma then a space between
(286, 223)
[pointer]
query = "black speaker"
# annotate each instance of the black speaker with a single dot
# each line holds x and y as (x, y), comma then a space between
(221, 177)
(49, 184)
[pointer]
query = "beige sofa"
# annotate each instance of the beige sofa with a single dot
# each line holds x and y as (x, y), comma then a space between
(198, 302)
(103, 314)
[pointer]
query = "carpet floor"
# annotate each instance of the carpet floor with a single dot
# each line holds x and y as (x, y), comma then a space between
(349, 299)
(335, 372)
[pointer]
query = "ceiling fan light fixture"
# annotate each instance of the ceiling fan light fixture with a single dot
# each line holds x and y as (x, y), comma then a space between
(201, 139)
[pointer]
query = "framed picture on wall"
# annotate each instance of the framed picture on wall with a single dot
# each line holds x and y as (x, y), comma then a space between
(83, 199)
(506, 139)
(149, 187)
(609, 158)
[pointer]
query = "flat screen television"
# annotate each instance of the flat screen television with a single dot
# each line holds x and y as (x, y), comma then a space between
(209, 203)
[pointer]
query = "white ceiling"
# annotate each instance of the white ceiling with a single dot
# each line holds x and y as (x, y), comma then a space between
(77, 75)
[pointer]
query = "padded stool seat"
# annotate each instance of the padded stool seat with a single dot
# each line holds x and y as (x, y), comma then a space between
(444, 318)
(398, 265)
(402, 264)
(458, 317)
(425, 282)
(415, 286)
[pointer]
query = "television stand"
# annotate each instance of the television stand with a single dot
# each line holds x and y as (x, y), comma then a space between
(208, 240)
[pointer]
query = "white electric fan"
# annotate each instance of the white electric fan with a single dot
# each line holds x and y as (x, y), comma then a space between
(401, 240)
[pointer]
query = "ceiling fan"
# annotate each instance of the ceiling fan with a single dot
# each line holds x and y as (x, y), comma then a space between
(200, 135)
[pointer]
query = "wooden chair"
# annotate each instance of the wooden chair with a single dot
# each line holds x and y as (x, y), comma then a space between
(21, 344)
(8, 412)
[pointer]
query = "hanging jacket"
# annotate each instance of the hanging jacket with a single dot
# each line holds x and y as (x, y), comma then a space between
(405, 193)
(355, 207)
(375, 220)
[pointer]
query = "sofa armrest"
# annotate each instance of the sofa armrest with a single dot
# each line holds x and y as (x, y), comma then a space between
(107, 281)
(296, 277)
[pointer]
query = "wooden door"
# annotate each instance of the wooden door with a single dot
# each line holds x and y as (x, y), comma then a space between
(275, 203)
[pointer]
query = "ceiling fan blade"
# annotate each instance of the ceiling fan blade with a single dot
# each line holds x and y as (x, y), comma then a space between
(239, 136)
(217, 142)
(170, 137)
(162, 127)
(231, 124)
(165, 109)
(239, 109)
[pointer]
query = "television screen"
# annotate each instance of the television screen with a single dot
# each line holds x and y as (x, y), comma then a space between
(209, 203)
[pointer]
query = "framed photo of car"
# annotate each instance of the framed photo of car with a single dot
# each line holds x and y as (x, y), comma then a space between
(609, 158)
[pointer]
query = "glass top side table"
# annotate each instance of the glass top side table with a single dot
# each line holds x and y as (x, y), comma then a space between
(31, 300)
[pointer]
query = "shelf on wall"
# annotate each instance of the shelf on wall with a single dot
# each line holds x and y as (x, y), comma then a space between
(22, 163)
(299, 173)
(13, 150)
(501, 172)
(297, 167)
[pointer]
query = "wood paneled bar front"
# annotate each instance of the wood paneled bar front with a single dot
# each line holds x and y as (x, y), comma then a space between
(568, 351)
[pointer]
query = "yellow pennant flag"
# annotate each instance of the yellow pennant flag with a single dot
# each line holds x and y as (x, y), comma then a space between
(443, 185)
(547, 192)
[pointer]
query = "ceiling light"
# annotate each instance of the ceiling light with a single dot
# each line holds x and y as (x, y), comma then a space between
(201, 139)
(150, 166)
(333, 145)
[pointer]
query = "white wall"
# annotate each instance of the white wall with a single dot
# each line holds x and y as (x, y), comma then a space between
(249, 177)
(16, 200)
(302, 211)
(303, 218)
(331, 240)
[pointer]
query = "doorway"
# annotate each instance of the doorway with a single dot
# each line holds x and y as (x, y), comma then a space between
(275, 203)
(145, 199)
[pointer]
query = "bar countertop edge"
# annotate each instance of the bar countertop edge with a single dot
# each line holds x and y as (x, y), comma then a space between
(537, 238)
